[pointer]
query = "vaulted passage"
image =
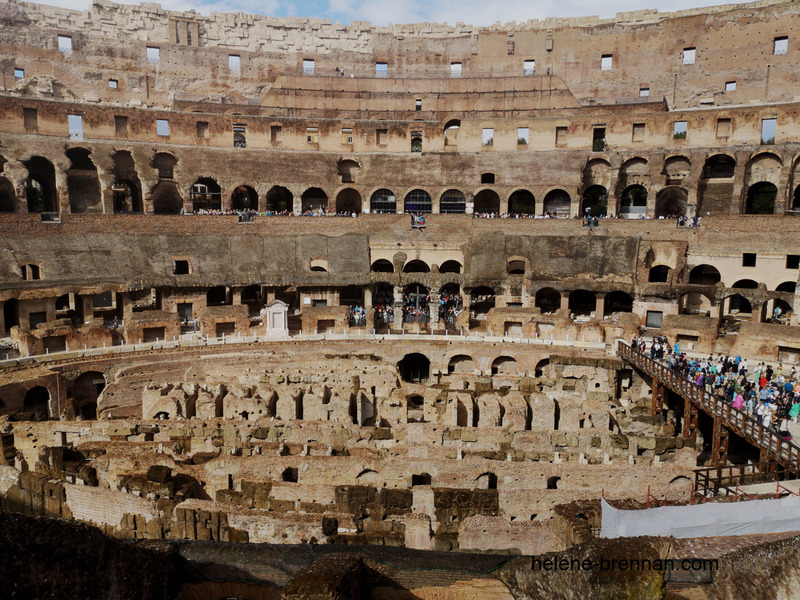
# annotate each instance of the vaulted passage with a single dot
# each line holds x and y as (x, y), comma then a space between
(83, 186)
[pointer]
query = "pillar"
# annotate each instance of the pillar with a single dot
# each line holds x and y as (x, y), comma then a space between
(719, 443)
(600, 306)
(433, 307)
(564, 300)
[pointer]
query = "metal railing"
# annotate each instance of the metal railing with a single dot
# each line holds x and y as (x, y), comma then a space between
(784, 452)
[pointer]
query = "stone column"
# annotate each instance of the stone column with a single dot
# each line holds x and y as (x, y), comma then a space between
(564, 300)
(433, 307)
(398, 309)
(600, 306)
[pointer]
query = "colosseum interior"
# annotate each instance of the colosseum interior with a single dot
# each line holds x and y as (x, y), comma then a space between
(294, 309)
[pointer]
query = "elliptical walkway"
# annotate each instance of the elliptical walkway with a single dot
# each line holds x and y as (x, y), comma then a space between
(727, 419)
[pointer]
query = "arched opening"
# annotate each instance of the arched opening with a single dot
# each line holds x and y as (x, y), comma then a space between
(787, 286)
(166, 199)
(521, 202)
(658, 274)
(719, 166)
(552, 482)
(761, 199)
(461, 363)
(127, 189)
(319, 265)
(450, 304)
(504, 365)
(451, 132)
(542, 367)
(348, 201)
(205, 195)
(383, 303)
(676, 168)
(40, 187)
(244, 197)
(314, 200)
(165, 164)
(11, 314)
(416, 266)
(796, 198)
(738, 305)
(595, 201)
(671, 202)
(85, 392)
(780, 308)
(705, 275)
(218, 296)
(415, 409)
(414, 368)
(481, 301)
(382, 266)
(416, 143)
(487, 202)
(633, 202)
(83, 185)
(515, 267)
(486, 481)
(279, 200)
(618, 302)
(383, 202)
(253, 299)
(453, 202)
(548, 300)
(694, 304)
(450, 266)
(415, 304)
(8, 197)
(747, 284)
(556, 203)
(351, 295)
(417, 201)
(582, 303)
(37, 400)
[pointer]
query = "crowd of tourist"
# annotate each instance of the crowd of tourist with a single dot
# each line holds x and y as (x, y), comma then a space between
(319, 212)
(384, 308)
(357, 316)
(770, 395)
(450, 306)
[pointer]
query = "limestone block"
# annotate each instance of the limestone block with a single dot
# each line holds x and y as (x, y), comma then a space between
(543, 410)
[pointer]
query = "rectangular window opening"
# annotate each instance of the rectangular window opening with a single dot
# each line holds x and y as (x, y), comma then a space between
(308, 66)
(113, 84)
(275, 133)
(162, 127)
(381, 69)
(768, 128)
(598, 139)
(153, 54)
(679, 130)
(529, 67)
(561, 136)
(234, 62)
(65, 43)
(202, 129)
(793, 261)
(455, 69)
(381, 137)
(418, 105)
(606, 62)
(723, 128)
(638, 132)
(347, 136)
(19, 73)
(523, 136)
(30, 119)
(654, 318)
(487, 136)
(644, 92)
(312, 135)
(120, 125)
(180, 267)
(780, 45)
(730, 86)
(75, 124)
(689, 56)
(749, 259)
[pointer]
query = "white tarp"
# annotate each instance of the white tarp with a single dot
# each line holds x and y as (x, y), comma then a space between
(704, 520)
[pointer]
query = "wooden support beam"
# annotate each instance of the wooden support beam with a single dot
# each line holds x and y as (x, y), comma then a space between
(719, 443)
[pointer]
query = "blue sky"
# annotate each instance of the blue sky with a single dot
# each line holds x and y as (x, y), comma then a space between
(383, 12)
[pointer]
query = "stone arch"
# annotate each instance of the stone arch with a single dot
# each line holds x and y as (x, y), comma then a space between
(8, 196)
(244, 197)
(548, 300)
(486, 201)
(205, 194)
(719, 166)
(382, 266)
(522, 202)
(516, 265)
(83, 185)
(450, 266)
(314, 199)
(416, 266)
(486, 481)
(704, 274)
(166, 199)
(597, 172)
(761, 198)
(736, 304)
(658, 274)
(671, 202)
(417, 201)
(461, 363)
(348, 201)
(504, 365)
(40, 187)
(542, 367)
(676, 168)
(557, 202)
(745, 284)
(164, 163)
(787, 286)
(279, 200)
(633, 201)
(795, 198)
(383, 202)
(126, 191)
(582, 302)
(450, 132)
(37, 400)
(85, 392)
(348, 169)
(481, 301)
(414, 368)
(617, 301)
(453, 202)
(695, 304)
(595, 201)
